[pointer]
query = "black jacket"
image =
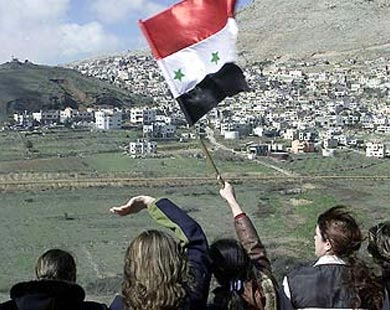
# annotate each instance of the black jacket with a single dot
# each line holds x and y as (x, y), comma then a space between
(48, 295)
(319, 286)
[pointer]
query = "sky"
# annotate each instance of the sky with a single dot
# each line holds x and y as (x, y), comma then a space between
(62, 31)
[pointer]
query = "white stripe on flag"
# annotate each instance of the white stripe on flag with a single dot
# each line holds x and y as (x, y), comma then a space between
(194, 62)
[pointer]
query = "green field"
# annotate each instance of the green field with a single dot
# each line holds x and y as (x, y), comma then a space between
(77, 219)
(345, 162)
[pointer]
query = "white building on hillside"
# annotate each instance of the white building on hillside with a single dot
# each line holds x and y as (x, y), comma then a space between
(383, 129)
(142, 147)
(67, 113)
(142, 116)
(108, 119)
(290, 134)
(23, 119)
(74, 114)
(377, 150)
(47, 117)
(159, 130)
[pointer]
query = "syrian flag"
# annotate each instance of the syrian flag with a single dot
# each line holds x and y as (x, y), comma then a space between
(194, 45)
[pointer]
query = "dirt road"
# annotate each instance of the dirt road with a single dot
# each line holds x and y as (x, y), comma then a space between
(217, 145)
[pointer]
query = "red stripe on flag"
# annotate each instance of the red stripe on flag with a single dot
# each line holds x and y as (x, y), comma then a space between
(184, 24)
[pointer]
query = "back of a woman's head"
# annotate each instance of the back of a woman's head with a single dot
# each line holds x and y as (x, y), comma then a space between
(379, 244)
(155, 272)
(339, 227)
(56, 264)
(231, 267)
(229, 261)
(343, 233)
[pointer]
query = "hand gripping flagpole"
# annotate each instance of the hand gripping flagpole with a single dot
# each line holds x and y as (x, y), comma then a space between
(211, 162)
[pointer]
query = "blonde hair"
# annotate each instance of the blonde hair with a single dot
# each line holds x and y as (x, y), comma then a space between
(156, 273)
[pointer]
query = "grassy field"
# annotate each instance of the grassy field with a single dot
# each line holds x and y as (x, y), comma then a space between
(345, 162)
(76, 218)
(85, 151)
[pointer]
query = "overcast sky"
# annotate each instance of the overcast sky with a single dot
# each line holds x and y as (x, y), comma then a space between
(62, 31)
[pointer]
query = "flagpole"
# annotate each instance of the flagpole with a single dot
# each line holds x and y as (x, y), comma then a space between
(211, 161)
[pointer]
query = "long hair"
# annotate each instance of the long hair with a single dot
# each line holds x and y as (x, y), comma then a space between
(340, 229)
(56, 264)
(156, 273)
(233, 270)
(379, 248)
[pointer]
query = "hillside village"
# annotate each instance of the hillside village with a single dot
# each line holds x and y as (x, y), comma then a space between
(313, 105)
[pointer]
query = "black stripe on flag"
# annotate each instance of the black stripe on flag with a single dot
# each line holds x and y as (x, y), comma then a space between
(215, 87)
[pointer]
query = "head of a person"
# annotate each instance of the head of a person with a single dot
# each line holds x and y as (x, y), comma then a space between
(239, 287)
(156, 273)
(56, 264)
(379, 244)
(337, 233)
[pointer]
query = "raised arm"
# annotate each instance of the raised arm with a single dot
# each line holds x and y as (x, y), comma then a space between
(190, 234)
(245, 229)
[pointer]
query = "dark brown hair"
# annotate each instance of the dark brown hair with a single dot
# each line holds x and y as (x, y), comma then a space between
(340, 229)
(233, 270)
(379, 248)
(379, 243)
(56, 264)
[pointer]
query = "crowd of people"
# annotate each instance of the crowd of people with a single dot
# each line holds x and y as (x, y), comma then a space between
(173, 272)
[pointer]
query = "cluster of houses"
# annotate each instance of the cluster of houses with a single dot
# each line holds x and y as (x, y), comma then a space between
(155, 124)
(137, 73)
(311, 105)
(100, 119)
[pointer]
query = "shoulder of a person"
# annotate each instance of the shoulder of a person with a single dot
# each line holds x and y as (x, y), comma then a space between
(92, 305)
(304, 273)
(8, 305)
(51, 288)
(117, 303)
(301, 271)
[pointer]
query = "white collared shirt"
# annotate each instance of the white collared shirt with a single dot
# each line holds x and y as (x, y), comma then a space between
(329, 260)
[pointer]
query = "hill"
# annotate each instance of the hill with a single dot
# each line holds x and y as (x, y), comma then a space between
(306, 28)
(277, 29)
(27, 86)
(269, 29)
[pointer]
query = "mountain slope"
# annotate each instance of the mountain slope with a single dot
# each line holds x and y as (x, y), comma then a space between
(304, 28)
(26, 86)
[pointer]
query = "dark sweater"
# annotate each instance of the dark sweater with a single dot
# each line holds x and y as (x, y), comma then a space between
(48, 295)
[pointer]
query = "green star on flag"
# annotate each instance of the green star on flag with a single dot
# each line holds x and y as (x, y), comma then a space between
(194, 44)
(178, 75)
(215, 57)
